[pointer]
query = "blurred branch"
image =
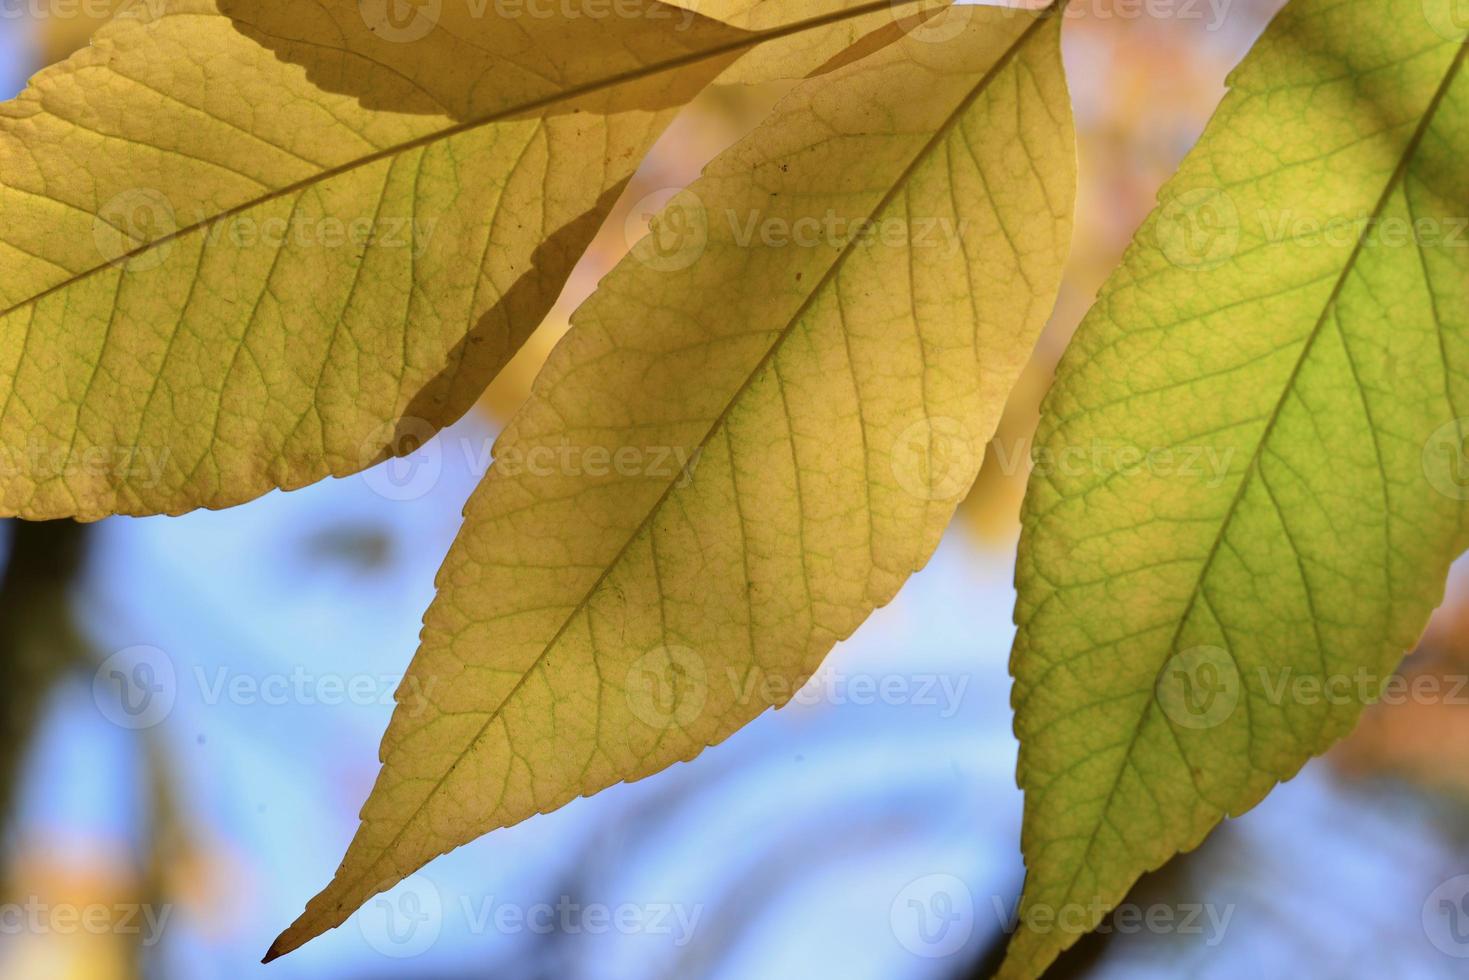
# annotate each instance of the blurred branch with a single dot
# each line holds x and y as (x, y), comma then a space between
(39, 641)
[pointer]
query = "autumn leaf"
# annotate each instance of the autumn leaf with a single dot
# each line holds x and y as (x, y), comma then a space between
(1250, 472)
(231, 267)
(800, 54)
(755, 430)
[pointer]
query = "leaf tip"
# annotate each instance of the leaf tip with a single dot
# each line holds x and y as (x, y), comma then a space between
(284, 943)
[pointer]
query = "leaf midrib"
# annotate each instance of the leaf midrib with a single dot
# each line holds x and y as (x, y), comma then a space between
(750, 40)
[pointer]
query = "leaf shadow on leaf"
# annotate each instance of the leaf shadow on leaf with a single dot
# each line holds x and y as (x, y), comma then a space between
(499, 334)
(480, 66)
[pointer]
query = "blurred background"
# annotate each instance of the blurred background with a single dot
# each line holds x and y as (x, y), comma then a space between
(847, 835)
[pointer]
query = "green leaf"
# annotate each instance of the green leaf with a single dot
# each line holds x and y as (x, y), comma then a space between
(1249, 478)
(221, 272)
(755, 430)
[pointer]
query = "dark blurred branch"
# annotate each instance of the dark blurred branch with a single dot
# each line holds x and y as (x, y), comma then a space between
(39, 641)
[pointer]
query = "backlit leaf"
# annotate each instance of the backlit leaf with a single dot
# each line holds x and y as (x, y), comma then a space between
(1250, 475)
(754, 432)
(800, 54)
(219, 278)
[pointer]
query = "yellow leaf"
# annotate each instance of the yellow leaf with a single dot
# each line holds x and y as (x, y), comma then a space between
(800, 54)
(755, 430)
(224, 272)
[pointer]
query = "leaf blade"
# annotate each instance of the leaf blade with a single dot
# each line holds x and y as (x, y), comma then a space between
(1285, 340)
(703, 355)
(245, 231)
(798, 55)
